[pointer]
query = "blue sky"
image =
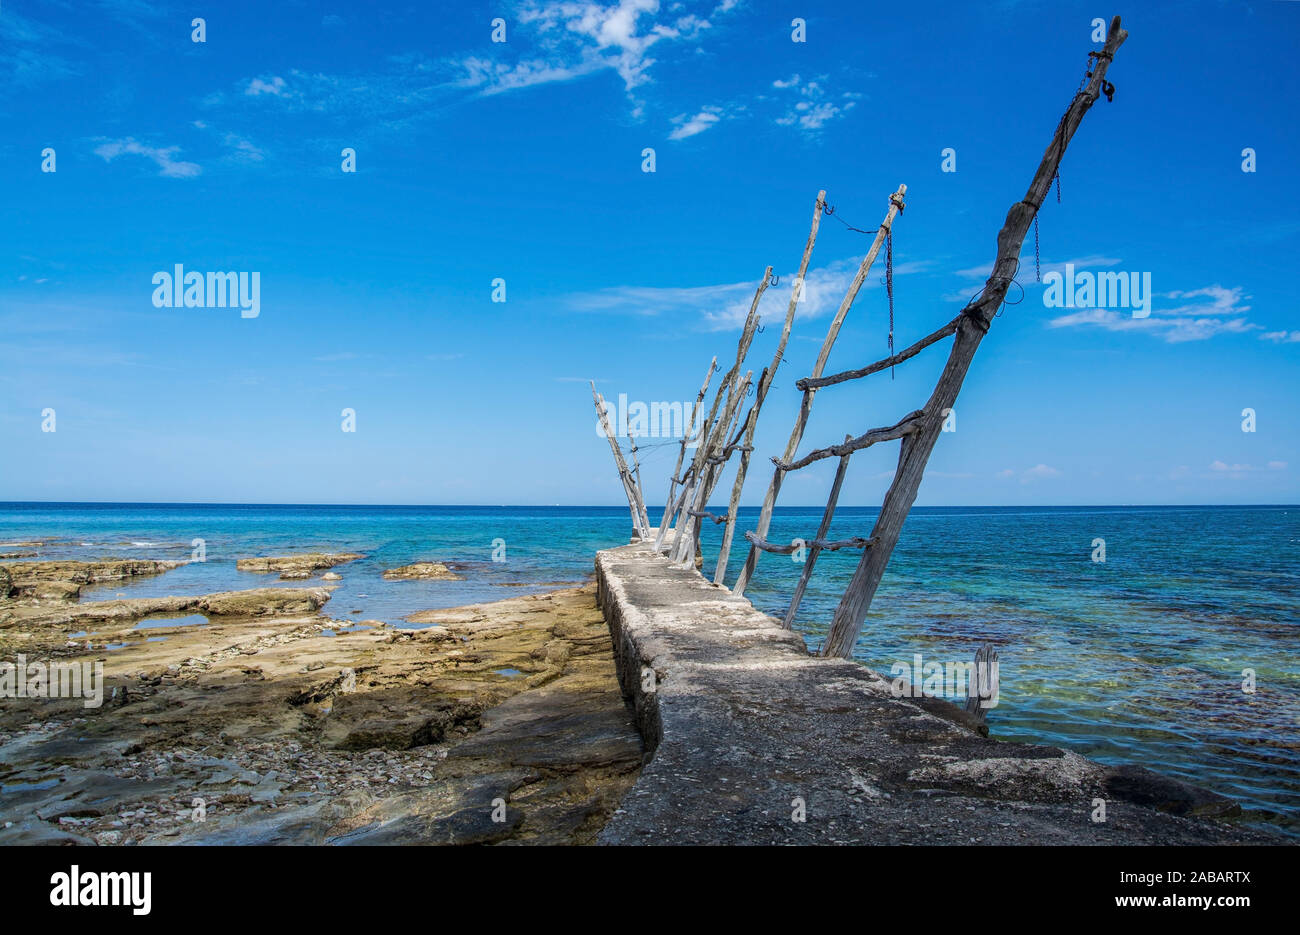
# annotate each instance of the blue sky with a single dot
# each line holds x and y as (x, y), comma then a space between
(522, 160)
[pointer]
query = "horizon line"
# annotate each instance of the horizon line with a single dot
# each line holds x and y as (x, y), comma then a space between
(552, 506)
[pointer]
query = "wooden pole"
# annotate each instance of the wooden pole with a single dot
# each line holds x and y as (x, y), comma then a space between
(688, 525)
(822, 530)
(769, 501)
(681, 453)
(633, 498)
(728, 382)
(975, 321)
(983, 682)
(636, 480)
(764, 384)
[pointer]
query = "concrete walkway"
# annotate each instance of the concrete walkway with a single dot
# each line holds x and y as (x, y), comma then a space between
(743, 728)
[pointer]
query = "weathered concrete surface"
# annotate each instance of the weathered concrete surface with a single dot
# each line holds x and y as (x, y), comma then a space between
(741, 721)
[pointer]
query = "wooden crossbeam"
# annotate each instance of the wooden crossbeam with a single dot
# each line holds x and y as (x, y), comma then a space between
(813, 383)
(905, 426)
(821, 545)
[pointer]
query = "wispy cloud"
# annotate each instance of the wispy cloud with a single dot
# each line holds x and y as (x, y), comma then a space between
(815, 105)
(275, 86)
(26, 56)
(689, 126)
(573, 38)
(1030, 475)
(161, 156)
(1224, 469)
(1194, 315)
(724, 306)
(1281, 337)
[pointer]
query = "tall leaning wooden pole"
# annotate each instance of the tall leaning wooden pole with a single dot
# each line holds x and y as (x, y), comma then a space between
(974, 324)
(634, 502)
(801, 421)
(765, 384)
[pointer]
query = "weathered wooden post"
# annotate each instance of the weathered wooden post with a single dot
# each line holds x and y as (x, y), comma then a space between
(639, 522)
(764, 384)
(974, 323)
(810, 559)
(983, 684)
(681, 453)
(713, 424)
(688, 525)
(769, 501)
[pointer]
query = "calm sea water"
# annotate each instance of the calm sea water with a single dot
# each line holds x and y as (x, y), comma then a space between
(1135, 660)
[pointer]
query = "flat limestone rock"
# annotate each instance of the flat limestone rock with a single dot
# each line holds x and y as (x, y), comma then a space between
(256, 728)
(63, 580)
(433, 571)
(292, 567)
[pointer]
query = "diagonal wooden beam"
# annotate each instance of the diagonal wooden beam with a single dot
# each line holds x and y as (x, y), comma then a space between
(976, 319)
(801, 422)
(764, 384)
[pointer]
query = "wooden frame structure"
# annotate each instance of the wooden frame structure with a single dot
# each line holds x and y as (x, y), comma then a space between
(917, 432)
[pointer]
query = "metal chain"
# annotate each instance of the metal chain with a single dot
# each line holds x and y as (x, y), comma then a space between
(889, 288)
(1038, 270)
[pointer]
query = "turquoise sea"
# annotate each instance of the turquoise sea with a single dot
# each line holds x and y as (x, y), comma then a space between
(1139, 659)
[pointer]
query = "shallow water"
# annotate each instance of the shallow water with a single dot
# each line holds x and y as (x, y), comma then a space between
(154, 623)
(1136, 660)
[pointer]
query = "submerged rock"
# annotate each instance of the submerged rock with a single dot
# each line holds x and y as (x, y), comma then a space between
(422, 571)
(62, 580)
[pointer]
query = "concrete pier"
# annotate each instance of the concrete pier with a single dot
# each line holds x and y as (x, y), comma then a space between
(746, 734)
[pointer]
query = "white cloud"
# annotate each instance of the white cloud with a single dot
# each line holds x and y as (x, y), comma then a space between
(161, 156)
(1187, 321)
(690, 126)
(815, 108)
(579, 37)
(1281, 337)
(725, 306)
(276, 86)
(243, 150)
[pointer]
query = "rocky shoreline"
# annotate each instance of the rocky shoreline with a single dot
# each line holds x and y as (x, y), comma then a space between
(266, 721)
